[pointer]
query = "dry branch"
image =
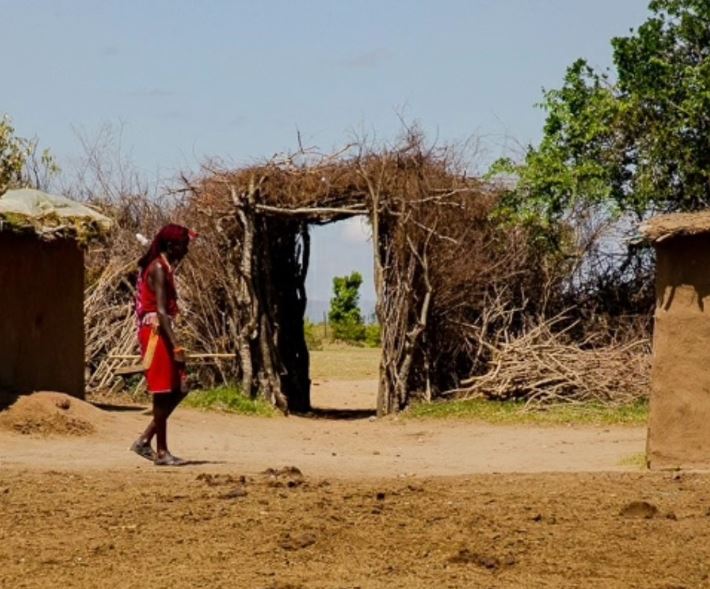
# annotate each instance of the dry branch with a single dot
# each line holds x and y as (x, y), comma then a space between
(542, 366)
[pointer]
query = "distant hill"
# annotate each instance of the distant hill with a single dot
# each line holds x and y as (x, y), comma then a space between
(316, 310)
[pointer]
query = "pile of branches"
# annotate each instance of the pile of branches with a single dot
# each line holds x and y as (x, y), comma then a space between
(109, 319)
(544, 365)
(109, 324)
(205, 322)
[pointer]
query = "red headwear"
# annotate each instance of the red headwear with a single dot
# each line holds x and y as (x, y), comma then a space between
(169, 234)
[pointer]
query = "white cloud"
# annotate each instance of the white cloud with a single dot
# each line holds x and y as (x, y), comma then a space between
(357, 230)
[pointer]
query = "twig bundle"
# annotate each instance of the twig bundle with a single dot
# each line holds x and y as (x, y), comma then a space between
(542, 366)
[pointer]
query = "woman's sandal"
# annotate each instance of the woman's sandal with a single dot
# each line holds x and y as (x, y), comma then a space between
(143, 449)
(168, 459)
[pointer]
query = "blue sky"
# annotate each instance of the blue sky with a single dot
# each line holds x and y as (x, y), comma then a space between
(190, 80)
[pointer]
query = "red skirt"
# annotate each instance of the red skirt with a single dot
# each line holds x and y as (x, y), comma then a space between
(164, 375)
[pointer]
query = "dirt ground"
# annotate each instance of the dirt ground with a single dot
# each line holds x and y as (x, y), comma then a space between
(370, 503)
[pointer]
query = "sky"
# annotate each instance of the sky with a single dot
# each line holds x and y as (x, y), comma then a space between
(183, 81)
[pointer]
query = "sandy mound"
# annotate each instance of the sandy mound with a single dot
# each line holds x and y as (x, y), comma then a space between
(48, 414)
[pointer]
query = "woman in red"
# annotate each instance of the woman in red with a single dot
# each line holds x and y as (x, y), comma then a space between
(163, 358)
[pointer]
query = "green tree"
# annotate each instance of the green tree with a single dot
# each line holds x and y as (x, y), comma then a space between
(344, 315)
(14, 153)
(20, 164)
(640, 143)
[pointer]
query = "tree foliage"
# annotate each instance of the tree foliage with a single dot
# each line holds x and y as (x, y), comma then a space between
(344, 315)
(20, 164)
(639, 143)
(13, 156)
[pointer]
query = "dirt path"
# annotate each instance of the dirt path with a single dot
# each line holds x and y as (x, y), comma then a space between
(345, 448)
(354, 395)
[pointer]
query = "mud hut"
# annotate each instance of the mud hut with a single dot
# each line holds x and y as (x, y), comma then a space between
(678, 433)
(42, 290)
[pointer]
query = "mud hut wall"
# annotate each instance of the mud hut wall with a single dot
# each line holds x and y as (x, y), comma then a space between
(42, 329)
(678, 434)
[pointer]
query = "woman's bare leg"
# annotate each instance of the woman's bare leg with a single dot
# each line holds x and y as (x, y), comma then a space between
(175, 399)
(162, 407)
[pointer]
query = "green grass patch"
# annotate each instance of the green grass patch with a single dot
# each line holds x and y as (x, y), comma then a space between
(230, 400)
(510, 412)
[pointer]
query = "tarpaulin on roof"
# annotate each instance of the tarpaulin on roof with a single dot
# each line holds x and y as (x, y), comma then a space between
(50, 216)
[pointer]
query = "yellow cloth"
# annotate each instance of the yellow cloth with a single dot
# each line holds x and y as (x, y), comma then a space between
(150, 348)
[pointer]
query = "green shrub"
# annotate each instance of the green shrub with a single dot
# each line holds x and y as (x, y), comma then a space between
(373, 335)
(313, 334)
(349, 331)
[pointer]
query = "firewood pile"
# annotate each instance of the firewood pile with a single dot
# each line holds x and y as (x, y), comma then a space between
(109, 325)
(205, 323)
(544, 366)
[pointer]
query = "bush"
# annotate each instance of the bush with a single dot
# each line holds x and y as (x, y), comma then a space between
(373, 335)
(351, 332)
(313, 334)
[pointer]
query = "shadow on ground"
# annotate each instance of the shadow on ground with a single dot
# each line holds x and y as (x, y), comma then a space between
(339, 414)
(119, 408)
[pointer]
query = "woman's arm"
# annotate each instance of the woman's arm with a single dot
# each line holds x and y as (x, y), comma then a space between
(159, 280)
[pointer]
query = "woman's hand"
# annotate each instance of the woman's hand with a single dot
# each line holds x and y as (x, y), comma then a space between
(179, 355)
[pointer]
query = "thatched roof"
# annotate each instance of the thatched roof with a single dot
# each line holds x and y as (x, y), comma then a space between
(50, 216)
(673, 225)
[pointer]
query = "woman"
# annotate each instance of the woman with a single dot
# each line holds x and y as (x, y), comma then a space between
(163, 358)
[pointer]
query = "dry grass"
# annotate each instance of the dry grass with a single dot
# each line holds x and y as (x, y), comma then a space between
(343, 362)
